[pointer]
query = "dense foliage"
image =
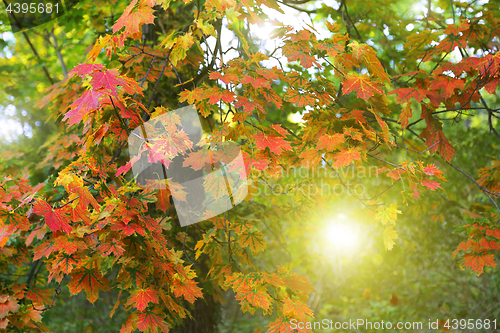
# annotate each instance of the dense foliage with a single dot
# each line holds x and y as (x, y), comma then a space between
(381, 115)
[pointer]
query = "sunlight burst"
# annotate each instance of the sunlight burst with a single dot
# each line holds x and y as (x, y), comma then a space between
(342, 234)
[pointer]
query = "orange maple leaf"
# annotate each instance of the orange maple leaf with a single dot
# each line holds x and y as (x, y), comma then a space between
(345, 157)
(477, 261)
(133, 18)
(275, 143)
(296, 309)
(362, 84)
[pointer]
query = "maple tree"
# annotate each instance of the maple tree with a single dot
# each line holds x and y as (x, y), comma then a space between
(381, 90)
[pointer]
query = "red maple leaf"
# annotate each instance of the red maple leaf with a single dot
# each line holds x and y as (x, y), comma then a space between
(54, 218)
(84, 69)
(151, 322)
(141, 298)
(84, 104)
(447, 85)
(89, 280)
(405, 94)
(430, 184)
(107, 80)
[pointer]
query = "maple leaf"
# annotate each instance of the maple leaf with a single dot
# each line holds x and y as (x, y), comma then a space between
(7, 304)
(310, 158)
(404, 117)
(389, 236)
(362, 84)
(300, 99)
(82, 106)
(133, 18)
(255, 297)
(275, 143)
(182, 45)
(54, 218)
(141, 298)
(215, 184)
(163, 199)
(84, 69)
(40, 296)
(253, 239)
(477, 261)
(3, 323)
(491, 86)
(447, 85)
(256, 82)
(300, 51)
(220, 5)
(198, 159)
(151, 322)
(107, 80)
(247, 105)
(89, 280)
(216, 94)
(127, 166)
(39, 233)
(430, 184)
(282, 325)
(34, 315)
(331, 47)
(191, 96)
(271, 96)
(117, 304)
(354, 133)
(254, 162)
(130, 324)
(296, 309)
(345, 157)
(387, 214)
(187, 288)
(43, 249)
(68, 244)
(64, 263)
(226, 78)
(374, 65)
(405, 94)
(113, 245)
(435, 138)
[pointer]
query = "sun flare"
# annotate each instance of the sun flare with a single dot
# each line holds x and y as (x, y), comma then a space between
(342, 234)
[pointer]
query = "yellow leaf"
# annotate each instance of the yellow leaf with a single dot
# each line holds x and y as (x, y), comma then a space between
(389, 236)
(388, 214)
(206, 27)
